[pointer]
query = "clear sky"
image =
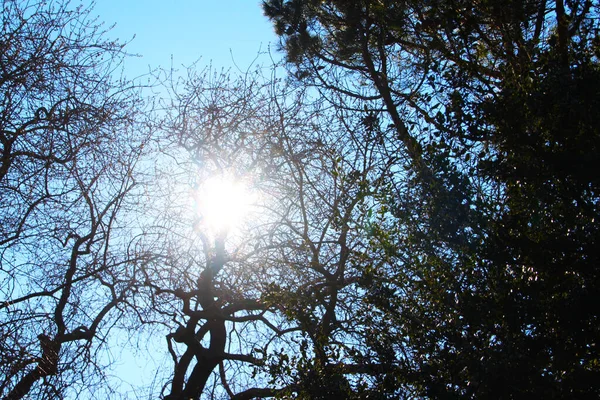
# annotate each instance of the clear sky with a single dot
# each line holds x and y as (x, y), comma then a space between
(217, 31)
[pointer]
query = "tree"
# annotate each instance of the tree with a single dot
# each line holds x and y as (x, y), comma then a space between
(412, 231)
(70, 145)
(494, 243)
(266, 309)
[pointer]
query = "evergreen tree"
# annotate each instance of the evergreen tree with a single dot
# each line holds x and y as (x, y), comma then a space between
(492, 233)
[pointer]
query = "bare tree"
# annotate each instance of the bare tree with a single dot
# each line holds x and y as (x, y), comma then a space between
(69, 150)
(258, 309)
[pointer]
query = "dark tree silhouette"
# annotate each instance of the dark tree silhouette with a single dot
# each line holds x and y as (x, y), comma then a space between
(493, 264)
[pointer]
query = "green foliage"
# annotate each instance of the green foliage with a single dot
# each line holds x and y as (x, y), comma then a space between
(491, 267)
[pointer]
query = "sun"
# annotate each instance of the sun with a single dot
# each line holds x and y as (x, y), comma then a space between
(222, 203)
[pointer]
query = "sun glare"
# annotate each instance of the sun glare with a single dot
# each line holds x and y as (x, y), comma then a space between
(222, 203)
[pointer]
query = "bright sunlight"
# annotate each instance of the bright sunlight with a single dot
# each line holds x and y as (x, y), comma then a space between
(222, 203)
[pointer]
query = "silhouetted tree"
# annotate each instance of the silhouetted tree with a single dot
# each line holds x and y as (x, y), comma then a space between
(69, 146)
(266, 309)
(493, 264)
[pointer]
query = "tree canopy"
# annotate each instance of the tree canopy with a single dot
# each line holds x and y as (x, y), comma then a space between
(409, 207)
(496, 105)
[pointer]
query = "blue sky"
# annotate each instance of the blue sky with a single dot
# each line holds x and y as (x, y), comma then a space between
(188, 30)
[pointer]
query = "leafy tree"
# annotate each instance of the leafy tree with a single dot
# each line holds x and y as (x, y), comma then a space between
(69, 148)
(493, 265)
